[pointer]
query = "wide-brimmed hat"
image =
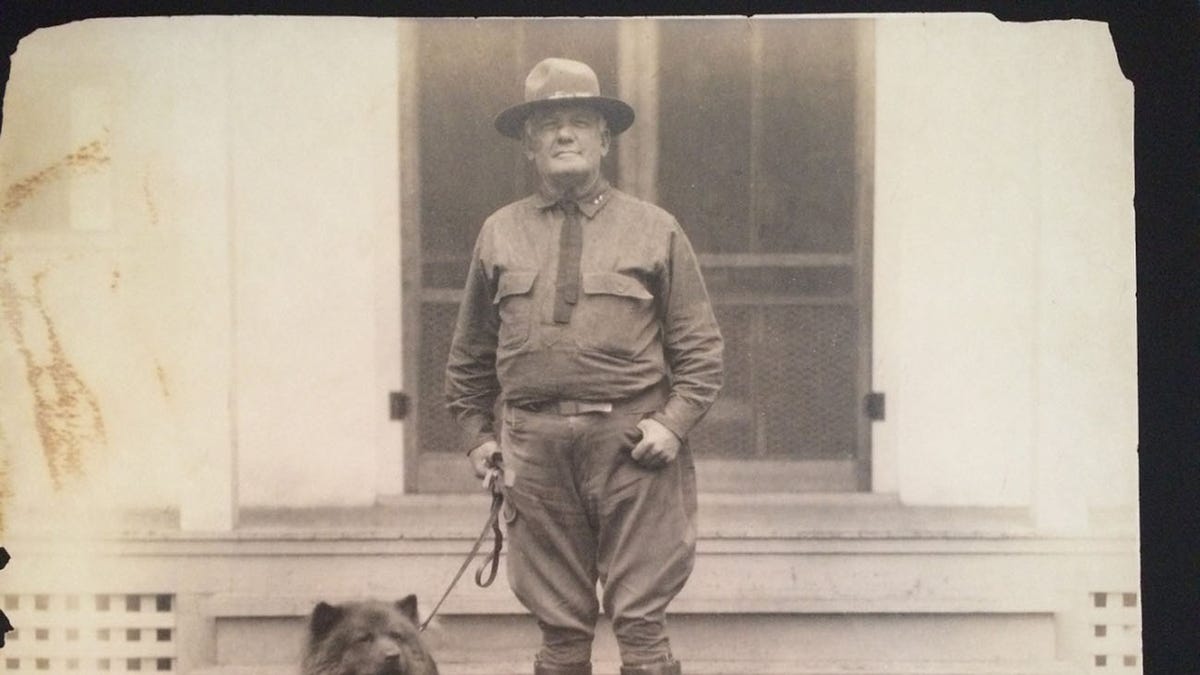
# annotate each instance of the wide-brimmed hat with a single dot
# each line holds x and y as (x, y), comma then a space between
(558, 81)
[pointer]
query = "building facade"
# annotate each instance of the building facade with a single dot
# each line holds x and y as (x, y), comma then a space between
(232, 248)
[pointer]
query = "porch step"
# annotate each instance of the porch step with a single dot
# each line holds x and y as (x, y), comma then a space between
(738, 668)
(773, 644)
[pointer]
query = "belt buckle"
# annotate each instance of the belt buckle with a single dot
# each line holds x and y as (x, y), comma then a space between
(581, 407)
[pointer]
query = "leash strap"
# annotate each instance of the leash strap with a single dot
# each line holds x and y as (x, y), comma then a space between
(498, 538)
(493, 524)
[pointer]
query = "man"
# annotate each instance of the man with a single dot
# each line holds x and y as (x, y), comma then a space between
(586, 318)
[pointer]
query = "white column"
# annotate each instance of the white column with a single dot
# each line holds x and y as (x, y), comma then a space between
(1086, 436)
(389, 373)
(203, 142)
(637, 74)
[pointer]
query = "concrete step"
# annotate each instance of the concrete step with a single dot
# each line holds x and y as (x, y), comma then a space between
(987, 641)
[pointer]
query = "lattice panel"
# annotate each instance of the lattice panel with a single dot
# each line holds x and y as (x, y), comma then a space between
(1115, 628)
(728, 429)
(806, 382)
(790, 388)
(90, 633)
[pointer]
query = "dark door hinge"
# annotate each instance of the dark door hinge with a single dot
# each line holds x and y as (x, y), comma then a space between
(875, 405)
(397, 405)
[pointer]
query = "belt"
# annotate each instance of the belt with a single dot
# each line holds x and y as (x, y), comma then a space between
(646, 401)
(567, 407)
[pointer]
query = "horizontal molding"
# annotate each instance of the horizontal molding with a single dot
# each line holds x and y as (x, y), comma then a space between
(322, 544)
(503, 603)
(728, 523)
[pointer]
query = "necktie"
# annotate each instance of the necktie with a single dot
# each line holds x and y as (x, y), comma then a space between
(570, 248)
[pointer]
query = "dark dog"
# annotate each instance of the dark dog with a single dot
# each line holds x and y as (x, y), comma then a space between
(366, 638)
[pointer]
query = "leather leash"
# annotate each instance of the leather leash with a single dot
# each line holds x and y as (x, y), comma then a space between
(495, 480)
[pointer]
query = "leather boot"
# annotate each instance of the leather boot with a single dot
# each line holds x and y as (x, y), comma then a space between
(670, 667)
(573, 669)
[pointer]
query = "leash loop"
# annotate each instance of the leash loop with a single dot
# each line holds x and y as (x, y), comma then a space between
(494, 557)
(495, 481)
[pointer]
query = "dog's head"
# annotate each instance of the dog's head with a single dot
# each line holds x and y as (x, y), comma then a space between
(366, 638)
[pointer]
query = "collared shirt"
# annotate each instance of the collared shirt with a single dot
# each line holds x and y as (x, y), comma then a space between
(643, 316)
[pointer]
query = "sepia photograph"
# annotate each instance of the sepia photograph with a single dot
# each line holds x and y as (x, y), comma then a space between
(722, 345)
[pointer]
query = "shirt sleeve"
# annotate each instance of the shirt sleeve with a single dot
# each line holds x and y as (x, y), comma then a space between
(471, 385)
(692, 341)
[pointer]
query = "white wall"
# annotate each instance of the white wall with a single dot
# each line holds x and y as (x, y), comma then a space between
(220, 272)
(1004, 297)
(315, 166)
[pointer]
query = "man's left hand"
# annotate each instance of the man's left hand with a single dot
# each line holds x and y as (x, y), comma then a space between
(658, 447)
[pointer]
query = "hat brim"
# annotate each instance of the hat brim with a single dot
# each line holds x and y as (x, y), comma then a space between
(618, 113)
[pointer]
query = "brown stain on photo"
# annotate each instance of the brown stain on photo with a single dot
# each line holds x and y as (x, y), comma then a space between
(116, 280)
(5, 490)
(86, 157)
(66, 411)
(151, 205)
(162, 379)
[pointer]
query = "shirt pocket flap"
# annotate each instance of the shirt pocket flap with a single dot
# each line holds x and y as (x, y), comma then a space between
(517, 282)
(611, 283)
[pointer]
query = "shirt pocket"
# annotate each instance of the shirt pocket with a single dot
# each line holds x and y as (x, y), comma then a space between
(616, 314)
(514, 302)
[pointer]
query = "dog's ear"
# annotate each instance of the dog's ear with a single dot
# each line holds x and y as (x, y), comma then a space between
(324, 617)
(408, 607)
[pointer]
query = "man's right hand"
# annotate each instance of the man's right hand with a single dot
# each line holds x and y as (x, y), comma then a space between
(481, 458)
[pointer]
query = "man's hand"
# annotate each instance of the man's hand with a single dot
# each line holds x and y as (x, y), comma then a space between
(481, 458)
(658, 447)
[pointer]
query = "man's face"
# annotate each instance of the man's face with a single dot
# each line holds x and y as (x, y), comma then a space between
(567, 143)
